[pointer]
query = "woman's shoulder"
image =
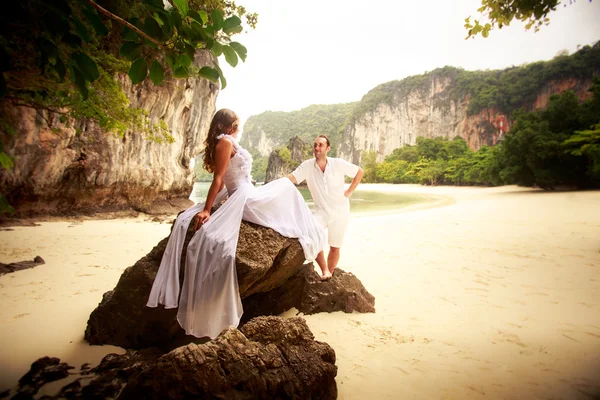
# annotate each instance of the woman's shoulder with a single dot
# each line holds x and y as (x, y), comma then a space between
(224, 144)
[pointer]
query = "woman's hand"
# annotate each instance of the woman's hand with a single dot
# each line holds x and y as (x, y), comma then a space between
(201, 219)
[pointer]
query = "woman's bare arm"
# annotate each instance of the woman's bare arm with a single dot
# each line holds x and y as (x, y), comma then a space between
(223, 152)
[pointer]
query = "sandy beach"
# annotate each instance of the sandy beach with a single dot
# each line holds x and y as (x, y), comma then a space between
(488, 293)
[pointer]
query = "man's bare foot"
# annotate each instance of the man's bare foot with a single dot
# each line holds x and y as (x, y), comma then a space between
(326, 276)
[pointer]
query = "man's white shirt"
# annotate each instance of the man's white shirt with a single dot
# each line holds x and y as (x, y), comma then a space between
(327, 188)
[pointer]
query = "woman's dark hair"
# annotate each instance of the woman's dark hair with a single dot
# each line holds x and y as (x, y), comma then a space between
(221, 122)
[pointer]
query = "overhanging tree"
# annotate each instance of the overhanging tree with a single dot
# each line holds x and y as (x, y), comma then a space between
(62, 55)
(500, 13)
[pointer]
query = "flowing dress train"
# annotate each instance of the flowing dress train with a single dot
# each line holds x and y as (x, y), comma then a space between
(210, 300)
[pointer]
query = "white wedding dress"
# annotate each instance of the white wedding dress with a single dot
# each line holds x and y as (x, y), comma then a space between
(210, 300)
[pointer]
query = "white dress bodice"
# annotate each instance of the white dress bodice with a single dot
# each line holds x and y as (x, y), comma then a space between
(239, 168)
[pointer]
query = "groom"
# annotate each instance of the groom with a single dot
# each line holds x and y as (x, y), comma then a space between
(325, 179)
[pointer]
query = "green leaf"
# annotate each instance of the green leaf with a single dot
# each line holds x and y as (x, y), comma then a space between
(167, 26)
(201, 16)
(232, 24)
(138, 71)
(204, 16)
(190, 50)
(210, 43)
(170, 60)
(150, 44)
(60, 69)
(87, 66)
(181, 72)
(77, 78)
(230, 56)
(182, 60)
(217, 49)
(130, 35)
(221, 76)
(209, 73)
(157, 74)
(175, 18)
(152, 29)
(240, 50)
(6, 161)
(217, 19)
(198, 32)
(81, 30)
(130, 50)
(94, 20)
(232, 30)
(160, 9)
(158, 20)
(182, 6)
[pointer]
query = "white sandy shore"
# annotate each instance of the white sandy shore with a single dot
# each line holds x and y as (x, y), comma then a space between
(494, 295)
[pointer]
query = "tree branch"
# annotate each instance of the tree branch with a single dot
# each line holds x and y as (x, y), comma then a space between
(123, 22)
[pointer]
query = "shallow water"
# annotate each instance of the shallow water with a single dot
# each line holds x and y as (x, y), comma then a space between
(362, 201)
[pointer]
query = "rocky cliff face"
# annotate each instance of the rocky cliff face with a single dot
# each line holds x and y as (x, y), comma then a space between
(284, 160)
(60, 171)
(260, 142)
(434, 112)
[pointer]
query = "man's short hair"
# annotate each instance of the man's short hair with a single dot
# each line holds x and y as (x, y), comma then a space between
(326, 138)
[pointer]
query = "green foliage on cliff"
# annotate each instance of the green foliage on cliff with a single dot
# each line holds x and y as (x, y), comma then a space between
(390, 93)
(307, 123)
(556, 147)
(505, 90)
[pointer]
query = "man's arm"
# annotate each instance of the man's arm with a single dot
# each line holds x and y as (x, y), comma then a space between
(354, 183)
(299, 174)
(292, 178)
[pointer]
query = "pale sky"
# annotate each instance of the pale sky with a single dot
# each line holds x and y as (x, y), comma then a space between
(307, 52)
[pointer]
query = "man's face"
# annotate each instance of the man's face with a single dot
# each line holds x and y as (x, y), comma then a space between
(320, 147)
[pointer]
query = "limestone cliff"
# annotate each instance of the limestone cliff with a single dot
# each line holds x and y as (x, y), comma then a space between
(435, 109)
(62, 170)
(272, 129)
(445, 102)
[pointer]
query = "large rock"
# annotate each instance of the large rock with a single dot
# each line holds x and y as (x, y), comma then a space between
(269, 358)
(265, 260)
(308, 294)
(81, 168)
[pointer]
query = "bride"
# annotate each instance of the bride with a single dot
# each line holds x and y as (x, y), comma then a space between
(210, 300)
